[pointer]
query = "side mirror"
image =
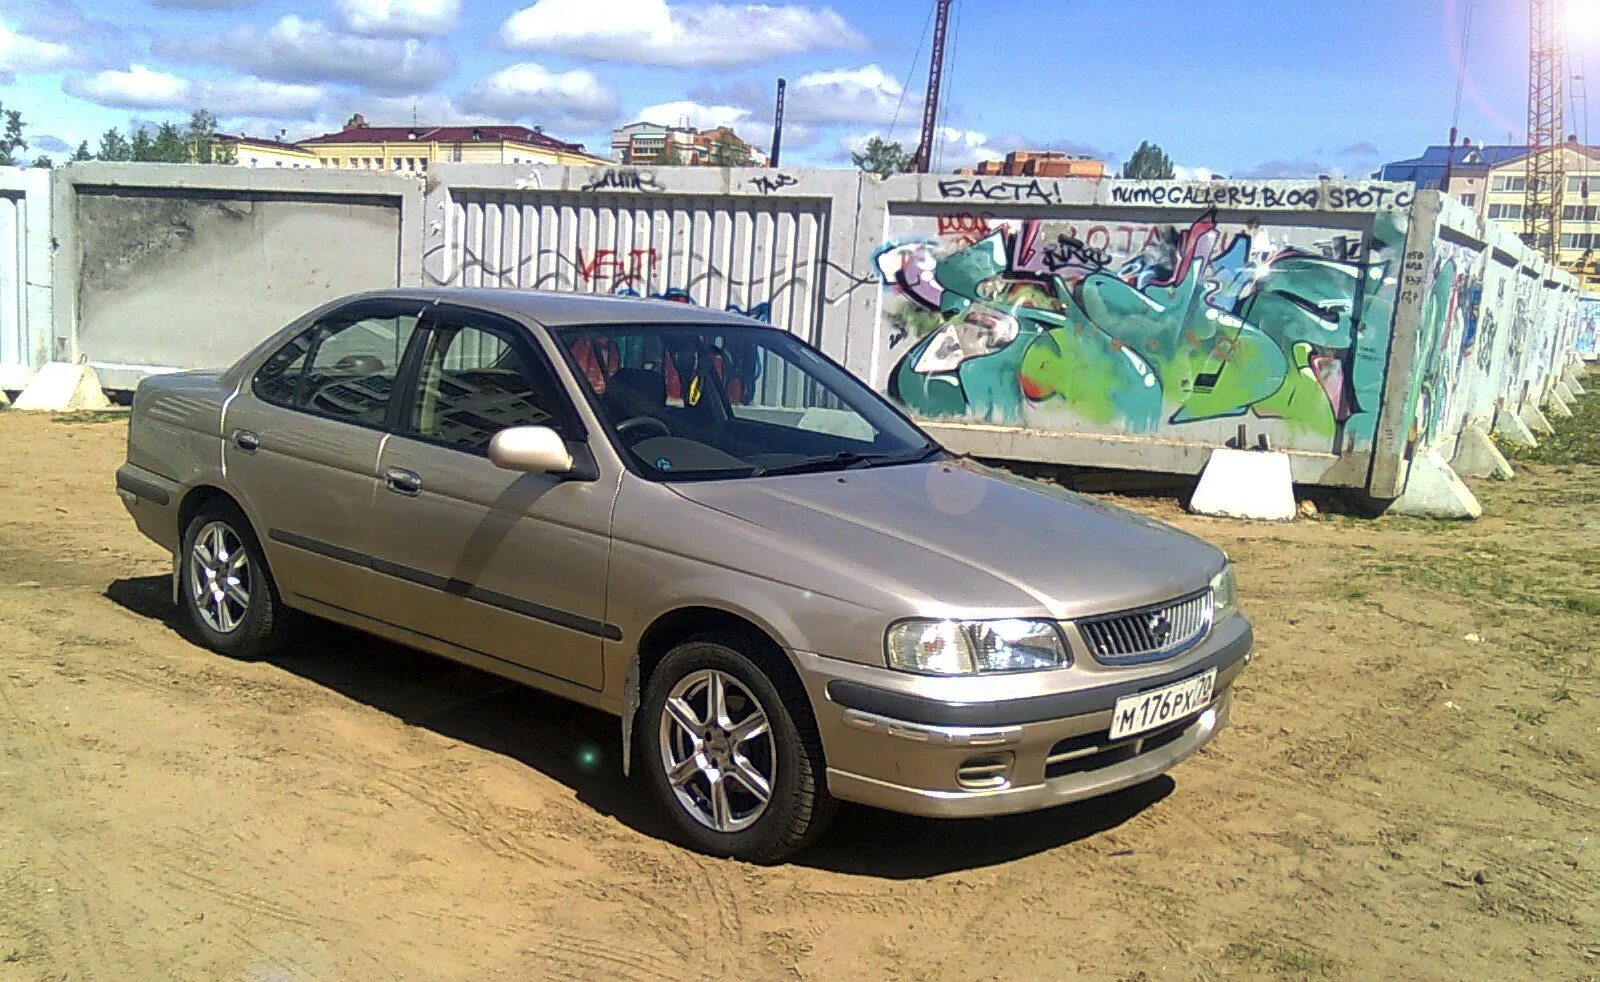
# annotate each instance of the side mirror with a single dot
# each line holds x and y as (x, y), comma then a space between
(531, 449)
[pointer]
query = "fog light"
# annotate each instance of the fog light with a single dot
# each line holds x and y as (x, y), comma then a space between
(985, 773)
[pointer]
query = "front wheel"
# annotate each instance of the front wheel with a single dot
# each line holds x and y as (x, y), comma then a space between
(225, 586)
(736, 764)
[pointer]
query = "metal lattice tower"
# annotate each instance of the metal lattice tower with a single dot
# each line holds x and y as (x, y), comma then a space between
(923, 158)
(1541, 212)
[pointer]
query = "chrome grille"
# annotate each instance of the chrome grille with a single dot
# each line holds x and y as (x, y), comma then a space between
(1148, 633)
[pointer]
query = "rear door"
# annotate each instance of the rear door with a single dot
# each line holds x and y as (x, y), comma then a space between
(506, 564)
(302, 441)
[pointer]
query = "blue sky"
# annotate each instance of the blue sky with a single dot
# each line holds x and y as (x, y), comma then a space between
(1279, 89)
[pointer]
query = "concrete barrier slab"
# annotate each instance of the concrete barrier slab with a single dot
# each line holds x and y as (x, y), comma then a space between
(1575, 385)
(1535, 419)
(63, 387)
(1477, 456)
(1246, 484)
(1433, 490)
(1510, 427)
(1557, 407)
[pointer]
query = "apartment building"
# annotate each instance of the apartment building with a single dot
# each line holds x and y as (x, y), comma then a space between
(411, 149)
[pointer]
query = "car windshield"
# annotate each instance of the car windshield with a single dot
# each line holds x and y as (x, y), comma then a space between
(699, 401)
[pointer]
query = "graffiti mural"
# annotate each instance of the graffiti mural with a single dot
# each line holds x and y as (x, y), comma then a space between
(1143, 329)
(1588, 338)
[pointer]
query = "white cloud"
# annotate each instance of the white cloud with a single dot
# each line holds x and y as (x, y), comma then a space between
(849, 95)
(654, 32)
(21, 53)
(137, 88)
(530, 91)
(399, 17)
(300, 50)
(701, 117)
(141, 87)
(1181, 172)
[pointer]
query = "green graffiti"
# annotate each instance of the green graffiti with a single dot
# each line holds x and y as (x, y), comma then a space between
(1198, 334)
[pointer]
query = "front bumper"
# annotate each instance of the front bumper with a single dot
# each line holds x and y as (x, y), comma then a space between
(895, 749)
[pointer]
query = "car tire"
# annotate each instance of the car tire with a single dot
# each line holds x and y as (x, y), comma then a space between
(788, 754)
(228, 592)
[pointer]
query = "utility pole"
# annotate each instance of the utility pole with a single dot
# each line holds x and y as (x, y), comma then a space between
(923, 158)
(777, 125)
(1546, 167)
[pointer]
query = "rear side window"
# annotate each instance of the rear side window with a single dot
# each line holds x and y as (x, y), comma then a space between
(342, 368)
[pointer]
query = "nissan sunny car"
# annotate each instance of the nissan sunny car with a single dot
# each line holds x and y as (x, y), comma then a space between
(788, 594)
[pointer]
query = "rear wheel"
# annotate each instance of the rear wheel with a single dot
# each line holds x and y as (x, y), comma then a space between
(225, 586)
(736, 762)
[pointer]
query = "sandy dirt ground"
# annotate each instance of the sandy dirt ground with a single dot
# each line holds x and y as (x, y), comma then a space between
(1410, 788)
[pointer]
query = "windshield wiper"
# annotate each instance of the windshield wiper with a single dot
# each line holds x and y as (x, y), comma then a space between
(843, 458)
(846, 459)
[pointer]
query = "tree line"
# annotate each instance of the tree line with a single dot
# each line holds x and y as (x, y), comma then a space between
(196, 142)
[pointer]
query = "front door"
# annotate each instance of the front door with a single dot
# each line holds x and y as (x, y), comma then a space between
(506, 564)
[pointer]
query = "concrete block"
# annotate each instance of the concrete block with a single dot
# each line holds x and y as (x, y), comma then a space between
(1557, 407)
(1477, 456)
(63, 387)
(1535, 419)
(1564, 390)
(1246, 484)
(1512, 429)
(1576, 386)
(1433, 490)
(5, 400)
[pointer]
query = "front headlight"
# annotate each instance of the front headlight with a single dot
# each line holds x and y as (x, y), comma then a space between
(932, 647)
(1224, 595)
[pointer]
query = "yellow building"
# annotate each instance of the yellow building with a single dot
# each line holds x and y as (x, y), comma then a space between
(1502, 201)
(251, 152)
(411, 149)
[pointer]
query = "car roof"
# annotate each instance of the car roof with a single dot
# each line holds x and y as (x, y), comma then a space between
(556, 310)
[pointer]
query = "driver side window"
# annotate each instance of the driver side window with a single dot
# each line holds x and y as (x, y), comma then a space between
(341, 368)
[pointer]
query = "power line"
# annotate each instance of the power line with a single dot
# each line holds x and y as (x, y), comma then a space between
(916, 58)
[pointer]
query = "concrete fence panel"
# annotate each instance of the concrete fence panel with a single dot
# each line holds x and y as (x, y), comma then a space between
(757, 242)
(25, 281)
(1587, 332)
(1138, 324)
(164, 267)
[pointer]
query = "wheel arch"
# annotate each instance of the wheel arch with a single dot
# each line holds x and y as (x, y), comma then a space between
(681, 624)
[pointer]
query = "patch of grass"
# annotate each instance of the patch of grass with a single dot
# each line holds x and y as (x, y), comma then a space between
(1576, 440)
(91, 416)
(1493, 575)
(1282, 959)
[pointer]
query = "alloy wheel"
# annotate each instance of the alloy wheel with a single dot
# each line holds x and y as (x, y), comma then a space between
(717, 750)
(219, 577)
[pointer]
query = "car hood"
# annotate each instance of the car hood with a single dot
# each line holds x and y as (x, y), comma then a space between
(957, 538)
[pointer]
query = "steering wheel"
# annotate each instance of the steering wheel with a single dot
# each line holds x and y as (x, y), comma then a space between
(641, 427)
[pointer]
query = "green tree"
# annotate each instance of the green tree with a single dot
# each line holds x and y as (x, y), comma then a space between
(169, 146)
(1149, 163)
(139, 145)
(43, 161)
(114, 146)
(882, 157)
(202, 143)
(11, 140)
(82, 153)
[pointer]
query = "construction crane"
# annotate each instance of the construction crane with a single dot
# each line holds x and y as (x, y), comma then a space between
(1546, 169)
(923, 158)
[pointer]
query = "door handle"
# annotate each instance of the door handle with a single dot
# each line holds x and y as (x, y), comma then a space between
(402, 481)
(246, 441)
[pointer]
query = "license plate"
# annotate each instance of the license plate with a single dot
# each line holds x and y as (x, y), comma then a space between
(1148, 710)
